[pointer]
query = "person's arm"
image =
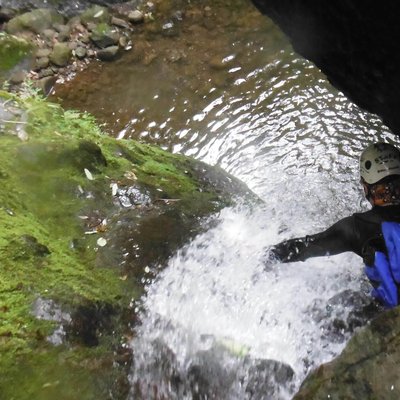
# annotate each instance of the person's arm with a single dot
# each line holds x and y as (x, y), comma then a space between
(339, 238)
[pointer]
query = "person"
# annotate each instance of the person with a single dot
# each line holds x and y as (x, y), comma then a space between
(368, 233)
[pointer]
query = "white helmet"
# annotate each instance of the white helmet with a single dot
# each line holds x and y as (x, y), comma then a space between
(378, 161)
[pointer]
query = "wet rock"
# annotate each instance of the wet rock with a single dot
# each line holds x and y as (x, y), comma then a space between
(175, 55)
(219, 63)
(267, 377)
(366, 369)
(60, 55)
(108, 54)
(36, 21)
(88, 322)
(136, 17)
(104, 36)
(96, 15)
(120, 23)
(170, 29)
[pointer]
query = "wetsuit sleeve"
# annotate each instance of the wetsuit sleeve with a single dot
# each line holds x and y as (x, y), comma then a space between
(339, 238)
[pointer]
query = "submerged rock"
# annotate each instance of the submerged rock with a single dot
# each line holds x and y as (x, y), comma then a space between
(108, 54)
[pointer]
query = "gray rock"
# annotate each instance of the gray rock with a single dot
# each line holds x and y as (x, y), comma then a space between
(104, 36)
(60, 55)
(136, 16)
(80, 52)
(36, 21)
(120, 23)
(108, 54)
(95, 14)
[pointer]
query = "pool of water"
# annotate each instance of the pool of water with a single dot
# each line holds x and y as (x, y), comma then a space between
(222, 84)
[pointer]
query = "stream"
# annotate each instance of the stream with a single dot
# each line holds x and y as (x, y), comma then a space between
(222, 84)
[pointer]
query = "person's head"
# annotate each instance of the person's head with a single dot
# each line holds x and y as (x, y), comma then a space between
(380, 174)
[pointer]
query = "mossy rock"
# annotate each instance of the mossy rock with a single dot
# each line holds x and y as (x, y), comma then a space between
(35, 21)
(104, 35)
(61, 54)
(96, 14)
(12, 51)
(83, 216)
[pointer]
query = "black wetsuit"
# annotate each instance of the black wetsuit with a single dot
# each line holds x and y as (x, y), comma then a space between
(360, 233)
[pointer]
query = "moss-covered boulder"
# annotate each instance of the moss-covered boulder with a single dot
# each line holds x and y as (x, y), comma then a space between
(35, 21)
(85, 220)
(13, 50)
(367, 369)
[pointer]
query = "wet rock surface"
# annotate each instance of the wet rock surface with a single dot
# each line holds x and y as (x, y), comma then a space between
(367, 368)
(354, 44)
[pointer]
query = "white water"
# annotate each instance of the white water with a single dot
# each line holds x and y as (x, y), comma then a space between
(216, 311)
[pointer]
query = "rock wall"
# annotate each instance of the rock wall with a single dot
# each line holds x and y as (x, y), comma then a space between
(354, 42)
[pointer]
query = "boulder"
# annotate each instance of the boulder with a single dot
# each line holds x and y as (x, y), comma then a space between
(35, 21)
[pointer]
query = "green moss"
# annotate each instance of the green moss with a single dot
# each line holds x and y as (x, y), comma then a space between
(12, 51)
(44, 251)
